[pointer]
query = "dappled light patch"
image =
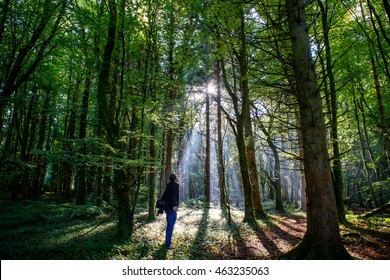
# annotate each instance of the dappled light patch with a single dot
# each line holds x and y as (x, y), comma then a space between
(367, 238)
(200, 233)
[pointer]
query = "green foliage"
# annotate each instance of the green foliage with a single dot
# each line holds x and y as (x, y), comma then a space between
(383, 189)
(377, 223)
(195, 203)
(11, 171)
(46, 230)
(86, 212)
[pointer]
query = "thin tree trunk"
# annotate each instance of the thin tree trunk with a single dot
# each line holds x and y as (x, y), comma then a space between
(39, 159)
(171, 100)
(207, 191)
(221, 164)
(68, 169)
(384, 122)
(337, 176)
(223, 195)
(152, 175)
(364, 156)
(27, 132)
(81, 195)
(276, 179)
(296, 184)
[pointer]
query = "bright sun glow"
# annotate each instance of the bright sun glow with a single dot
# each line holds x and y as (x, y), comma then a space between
(211, 88)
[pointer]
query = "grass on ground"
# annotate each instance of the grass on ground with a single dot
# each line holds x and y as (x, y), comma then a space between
(50, 230)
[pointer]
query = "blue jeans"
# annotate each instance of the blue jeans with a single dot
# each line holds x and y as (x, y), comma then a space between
(171, 219)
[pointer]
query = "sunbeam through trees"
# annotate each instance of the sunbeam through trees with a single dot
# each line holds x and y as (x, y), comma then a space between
(274, 116)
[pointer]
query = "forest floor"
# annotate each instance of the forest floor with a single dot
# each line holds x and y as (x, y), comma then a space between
(48, 230)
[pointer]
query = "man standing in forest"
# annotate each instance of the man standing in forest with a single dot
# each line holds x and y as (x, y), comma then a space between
(171, 196)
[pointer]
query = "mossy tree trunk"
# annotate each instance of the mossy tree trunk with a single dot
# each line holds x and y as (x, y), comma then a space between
(108, 117)
(241, 116)
(322, 239)
(337, 175)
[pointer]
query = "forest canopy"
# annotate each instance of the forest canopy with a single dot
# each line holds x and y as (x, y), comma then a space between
(255, 106)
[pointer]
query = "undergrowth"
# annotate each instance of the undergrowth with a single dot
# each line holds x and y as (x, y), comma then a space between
(50, 230)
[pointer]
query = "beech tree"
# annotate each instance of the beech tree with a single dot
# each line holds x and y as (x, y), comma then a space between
(322, 238)
(332, 100)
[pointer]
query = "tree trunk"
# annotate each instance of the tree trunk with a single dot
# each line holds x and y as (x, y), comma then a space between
(247, 189)
(366, 169)
(152, 173)
(125, 214)
(276, 179)
(40, 162)
(384, 208)
(81, 189)
(171, 99)
(68, 169)
(302, 173)
(322, 239)
(242, 125)
(384, 122)
(108, 118)
(241, 122)
(107, 183)
(223, 195)
(337, 175)
(207, 191)
(253, 174)
(221, 164)
(27, 132)
(296, 184)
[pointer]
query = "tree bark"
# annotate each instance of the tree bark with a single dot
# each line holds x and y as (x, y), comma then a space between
(276, 179)
(39, 160)
(221, 165)
(253, 174)
(302, 171)
(366, 169)
(379, 210)
(27, 132)
(241, 121)
(242, 124)
(207, 191)
(337, 175)
(384, 120)
(81, 195)
(322, 238)
(108, 117)
(152, 175)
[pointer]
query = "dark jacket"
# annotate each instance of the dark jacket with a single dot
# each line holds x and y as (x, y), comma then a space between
(171, 194)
